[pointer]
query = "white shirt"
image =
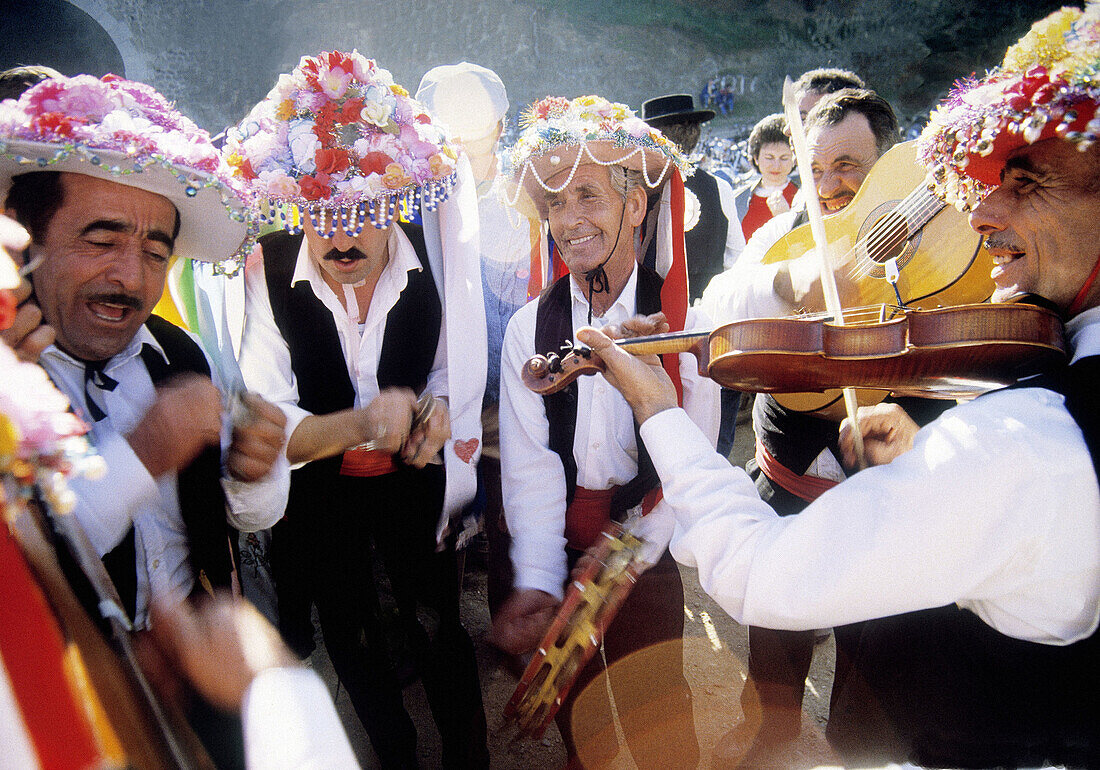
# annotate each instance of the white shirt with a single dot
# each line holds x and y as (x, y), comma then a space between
(127, 494)
(746, 288)
(604, 445)
(288, 717)
(735, 237)
(265, 356)
(996, 509)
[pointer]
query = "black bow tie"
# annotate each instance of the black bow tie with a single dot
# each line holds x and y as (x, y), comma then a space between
(94, 375)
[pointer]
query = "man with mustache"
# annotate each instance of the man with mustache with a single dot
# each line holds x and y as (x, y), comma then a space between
(973, 551)
(105, 212)
(352, 315)
(796, 456)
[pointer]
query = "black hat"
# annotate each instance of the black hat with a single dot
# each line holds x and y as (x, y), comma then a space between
(673, 108)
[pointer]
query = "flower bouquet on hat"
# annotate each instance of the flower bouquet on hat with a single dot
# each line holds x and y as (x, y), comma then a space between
(337, 140)
(126, 132)
(1047, 86)
(562, 134)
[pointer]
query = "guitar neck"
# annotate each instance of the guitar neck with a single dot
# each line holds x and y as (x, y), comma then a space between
(919, 207)
(659, 344)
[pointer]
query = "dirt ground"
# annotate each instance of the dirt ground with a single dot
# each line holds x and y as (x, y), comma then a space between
(715, 664)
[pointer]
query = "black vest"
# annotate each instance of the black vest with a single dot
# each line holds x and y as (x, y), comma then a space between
(705, 244)
(199, 491)
(553, 327)
(408, 345)
(943, 689)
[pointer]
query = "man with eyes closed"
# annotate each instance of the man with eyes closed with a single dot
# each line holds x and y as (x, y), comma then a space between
(103, 224)
(571, 462)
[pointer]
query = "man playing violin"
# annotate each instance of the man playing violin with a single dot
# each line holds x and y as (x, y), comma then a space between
(973, 548)
(572, 462)
(796, 453)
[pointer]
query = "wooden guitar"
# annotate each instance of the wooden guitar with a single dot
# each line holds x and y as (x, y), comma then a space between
(896, 243)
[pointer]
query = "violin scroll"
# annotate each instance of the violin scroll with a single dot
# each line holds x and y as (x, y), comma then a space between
(550, 373)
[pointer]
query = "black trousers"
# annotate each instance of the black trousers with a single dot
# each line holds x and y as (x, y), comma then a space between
(322, 553)
(779, 661)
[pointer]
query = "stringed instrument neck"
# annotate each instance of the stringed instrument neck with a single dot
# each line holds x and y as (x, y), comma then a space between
(660, 344)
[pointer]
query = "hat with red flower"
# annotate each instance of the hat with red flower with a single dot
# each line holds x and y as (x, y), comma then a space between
(126, 132)
(1047, 87)
(337, 140)
(562, 134)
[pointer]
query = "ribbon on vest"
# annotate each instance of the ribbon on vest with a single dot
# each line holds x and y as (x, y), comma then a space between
(39, 668)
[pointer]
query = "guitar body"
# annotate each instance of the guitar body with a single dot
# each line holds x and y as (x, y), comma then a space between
(939, 256)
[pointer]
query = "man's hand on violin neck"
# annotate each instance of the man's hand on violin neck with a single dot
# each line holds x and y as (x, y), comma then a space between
(638, 326)
(643, 382)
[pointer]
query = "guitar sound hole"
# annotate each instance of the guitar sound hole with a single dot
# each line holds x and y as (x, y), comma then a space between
(887, 238)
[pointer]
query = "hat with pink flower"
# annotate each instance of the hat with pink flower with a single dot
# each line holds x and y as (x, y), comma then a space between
(562, 134)
(126, 132)
(337, 140)
(1047, 87)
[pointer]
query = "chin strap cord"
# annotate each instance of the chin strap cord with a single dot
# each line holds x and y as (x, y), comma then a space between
(597, 276)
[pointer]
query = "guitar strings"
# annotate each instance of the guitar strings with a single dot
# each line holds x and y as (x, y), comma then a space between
(920, 205)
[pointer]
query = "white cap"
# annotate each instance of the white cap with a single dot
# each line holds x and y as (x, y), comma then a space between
(468, 99)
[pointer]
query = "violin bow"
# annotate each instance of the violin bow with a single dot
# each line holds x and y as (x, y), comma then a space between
(817, 229)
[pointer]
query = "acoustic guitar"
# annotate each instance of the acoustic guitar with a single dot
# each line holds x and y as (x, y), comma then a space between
(898, 244)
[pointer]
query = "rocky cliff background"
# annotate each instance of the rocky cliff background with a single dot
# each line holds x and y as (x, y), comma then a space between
(216, 58)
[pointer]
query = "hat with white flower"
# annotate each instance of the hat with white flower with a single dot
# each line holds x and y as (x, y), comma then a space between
(562, 134)
(1047, 87)
(126, 132)
(337, 140)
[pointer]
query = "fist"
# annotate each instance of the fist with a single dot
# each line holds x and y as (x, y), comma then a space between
(257, 440)
(184, 420)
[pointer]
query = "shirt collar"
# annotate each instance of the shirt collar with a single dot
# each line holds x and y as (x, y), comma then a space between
(1083, 333)
(402, 258)
(132, 349)
(626, 301)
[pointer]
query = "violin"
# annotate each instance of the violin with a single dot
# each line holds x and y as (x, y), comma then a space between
(951, 352)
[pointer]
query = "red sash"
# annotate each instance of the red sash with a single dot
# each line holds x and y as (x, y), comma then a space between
(590, 514)
(809, 488)
(366, 462)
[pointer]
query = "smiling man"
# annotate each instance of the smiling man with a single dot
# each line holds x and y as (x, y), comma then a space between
(105, 213)
(571, 462)
(973, 551)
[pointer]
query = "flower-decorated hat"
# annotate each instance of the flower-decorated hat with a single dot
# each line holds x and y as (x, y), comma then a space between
(339, 141)
(126, 132)
(1048, 86)
(562, 134)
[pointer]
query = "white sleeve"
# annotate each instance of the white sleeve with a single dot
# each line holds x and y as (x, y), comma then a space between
(735, 237)
(532, 477)
(747, 290)
(290, 723)
(256, 505)
(702, 395)
(105, 506)
(265, 356)
(995, 509)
